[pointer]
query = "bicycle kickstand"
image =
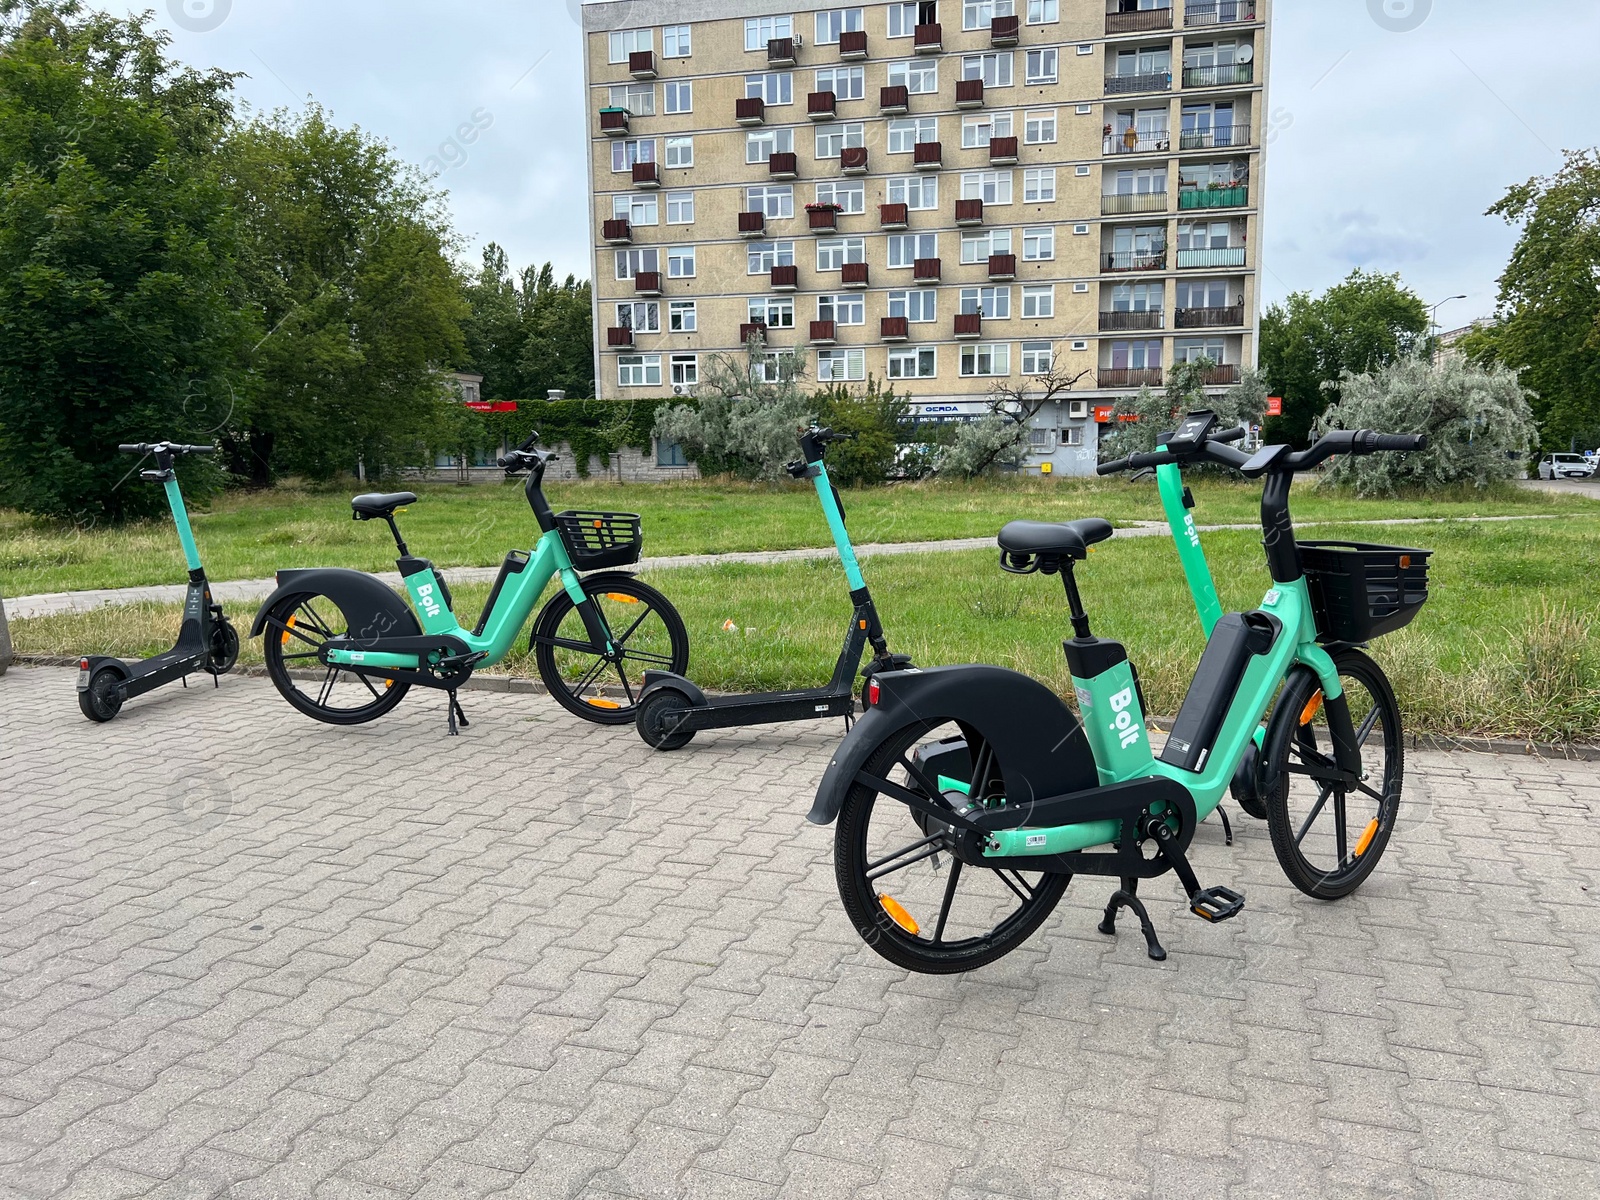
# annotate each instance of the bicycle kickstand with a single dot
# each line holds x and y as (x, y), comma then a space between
(457, 715)
(1127, 897)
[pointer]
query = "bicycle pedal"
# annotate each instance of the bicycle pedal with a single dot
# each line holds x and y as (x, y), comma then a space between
(1216, 903)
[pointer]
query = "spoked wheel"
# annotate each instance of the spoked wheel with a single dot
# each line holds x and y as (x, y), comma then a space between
(646, 635)
(1329, 835)
(909, 898)
(224, 646)
(296, 629)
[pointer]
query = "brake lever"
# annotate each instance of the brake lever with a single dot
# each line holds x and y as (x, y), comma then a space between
(1146, 473)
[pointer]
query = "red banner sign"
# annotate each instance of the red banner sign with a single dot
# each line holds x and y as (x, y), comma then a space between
(1103, 413)
(492, 405)
(1274, 406)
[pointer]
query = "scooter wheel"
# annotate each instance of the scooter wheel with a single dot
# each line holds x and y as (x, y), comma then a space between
(659, 717)
(224, 648)
(101, 701)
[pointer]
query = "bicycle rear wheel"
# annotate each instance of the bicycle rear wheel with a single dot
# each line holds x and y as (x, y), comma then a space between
(296, 629)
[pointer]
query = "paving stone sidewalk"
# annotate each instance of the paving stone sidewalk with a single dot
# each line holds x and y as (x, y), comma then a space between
(244, 955)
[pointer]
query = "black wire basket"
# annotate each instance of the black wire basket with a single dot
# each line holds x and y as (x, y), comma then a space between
(600, 539)
(1361, 591)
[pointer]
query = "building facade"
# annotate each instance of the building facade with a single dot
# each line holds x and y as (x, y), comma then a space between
(947, 195)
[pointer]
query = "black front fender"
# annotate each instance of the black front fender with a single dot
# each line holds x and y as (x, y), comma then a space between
(370, 608)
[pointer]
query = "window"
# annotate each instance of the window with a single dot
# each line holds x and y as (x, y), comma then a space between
(1205, 293)
(1144, 181)
(849, 194)
(774, 200)
(980, 14)
(1039, 185)
(758, 31)
(992, 187)
(676, 41)
(1138, 297)
(917, 362)
(680, 152)
(680, 208)
(992, 359)
(775, 87)
(680, 262)
(1083, 172)
(1072, 435)
(1194, 349)
(903, 19)
(978, 246)
(847, 309)
(763, 256)
(1140, 239)
(639, 370)
(1079, 345)
(1206, 235)
(635, 209)
(1081, 287)
(846, 83)
(987, 302)
(631, 41)
(1084, 110)
(773, 366)
(906, 134)
(637, 98)
(982, 128)
(834, 137)
(682, 317)
(917, 192)
(993, 69)
(918, 76)
(906, 248)
(1213, 175)
(1210, 54)
(1043, 12)
(1037, 358)
(833, 253)
(1039, 300)
(1079, 230)
(680, 95)
(835, 365)
(775, 312)
(1039, 245)
(1136, 356)
(1042, 66)
(1039, 128)
(1145, 60)
(762, 144)
(626, 153)
(631, 262)
(641, 316)
(841, 20)
(1040, 441)
(670, 454)
(920, 307)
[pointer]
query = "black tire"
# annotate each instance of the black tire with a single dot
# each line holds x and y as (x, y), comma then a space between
(1329, 838)
(296, 627)
(648, 635)
(989, 891)
(224, 647)
(657, 723)
(101, 701)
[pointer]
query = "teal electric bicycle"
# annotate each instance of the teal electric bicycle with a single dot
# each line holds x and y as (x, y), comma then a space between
(967, 797)
(344, 648)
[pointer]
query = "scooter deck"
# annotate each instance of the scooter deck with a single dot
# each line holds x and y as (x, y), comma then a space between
(767, 708)
(161, 670)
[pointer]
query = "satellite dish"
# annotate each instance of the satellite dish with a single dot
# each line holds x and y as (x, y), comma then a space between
(1245, 54)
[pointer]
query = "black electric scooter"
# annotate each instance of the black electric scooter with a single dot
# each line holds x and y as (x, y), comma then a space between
(206, 642)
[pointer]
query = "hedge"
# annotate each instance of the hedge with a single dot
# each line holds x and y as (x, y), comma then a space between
(592, 428)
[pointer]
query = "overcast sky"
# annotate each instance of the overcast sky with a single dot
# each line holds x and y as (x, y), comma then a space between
(1386, 145)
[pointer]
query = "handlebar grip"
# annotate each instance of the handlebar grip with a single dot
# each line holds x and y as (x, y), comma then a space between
(1235, 434)
(131, 449)
(1368, 442)
(1112, 467)
(195, 449)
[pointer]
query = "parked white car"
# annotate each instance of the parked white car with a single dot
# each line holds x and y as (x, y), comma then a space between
(1565, 466)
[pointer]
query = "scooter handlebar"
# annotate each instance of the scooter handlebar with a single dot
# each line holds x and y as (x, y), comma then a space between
(169, 447)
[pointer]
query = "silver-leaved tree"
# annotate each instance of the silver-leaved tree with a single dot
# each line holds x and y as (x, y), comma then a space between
(750, 406)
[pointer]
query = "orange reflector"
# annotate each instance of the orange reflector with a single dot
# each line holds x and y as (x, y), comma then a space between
(863, 624)
(1405, 560)
(599, 524)
(621, 599)
(1313, 706)
(899, 915)
(601, 702)
(1366, 838)
(289, 625)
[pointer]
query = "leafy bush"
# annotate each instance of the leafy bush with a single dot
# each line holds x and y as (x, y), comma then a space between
(875, 417)
(745, 422)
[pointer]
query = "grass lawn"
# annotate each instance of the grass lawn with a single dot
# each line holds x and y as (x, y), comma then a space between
(1505, 646)
(252, 535)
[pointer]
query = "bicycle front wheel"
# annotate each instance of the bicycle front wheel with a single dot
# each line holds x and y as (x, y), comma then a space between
(647, 634)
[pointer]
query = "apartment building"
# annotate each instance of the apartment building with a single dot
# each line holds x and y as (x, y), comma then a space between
(946, 194)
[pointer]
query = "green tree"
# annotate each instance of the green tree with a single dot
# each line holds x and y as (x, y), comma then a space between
(1309, 343)
(1548, 321)
(117, 322)
(494, 332)
(750, 407)
(1000, 437)
(875, 418)
(529, 334)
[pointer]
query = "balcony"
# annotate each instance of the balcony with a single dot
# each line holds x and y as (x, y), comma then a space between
(893, 216)
(969, 93)
(1221, 75)
(752, 224)
(1115, 322)
(619, 339)
(822, 106)
(1210, 318)
(1002, 267)
(969, 325)
(1122, 203)
(822, 333)
(823, 218)
(785, 279)
(853, 160)
(1005, 31)
(1220, 138)
(1218, 12)
(969, 212)
(646, 176)
(1125, 85)
(618, 232)
(853, 45)
(928, 156)
(752, 329)
(750, 112)
(894, 101)
(1130, 377)
(642, 64)
(1225, 375)
(647, 283)
(615, 122)
(1123, 17)
(1002, 151)
(780, 52)
(854, 275)
(1136, 260)
(1138, 141)
(928, 39)
(894, 329)
(783, 166)
(1227, 256)
(926, 270)
(1213, 197)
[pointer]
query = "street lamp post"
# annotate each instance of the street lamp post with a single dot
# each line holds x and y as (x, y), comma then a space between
(1433, 313)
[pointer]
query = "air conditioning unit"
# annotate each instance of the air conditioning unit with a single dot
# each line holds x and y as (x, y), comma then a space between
(799, 42)
(678, 389)
(1078, 410)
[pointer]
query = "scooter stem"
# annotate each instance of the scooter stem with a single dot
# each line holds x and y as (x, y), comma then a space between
(180, 518)
(841, 537)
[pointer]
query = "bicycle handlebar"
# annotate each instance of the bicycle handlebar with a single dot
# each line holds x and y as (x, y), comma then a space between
(1215, 450)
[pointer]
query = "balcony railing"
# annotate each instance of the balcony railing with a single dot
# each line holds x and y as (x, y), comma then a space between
(1220, 138)
(1118, 321)
(1218, 12)
(783, 166)
(622, 338)
(969, 93)
(1231, 197)
(1221, 75)
(853, 45)
(615, 122)
(853, 160)
(969, 212)
(854, 275)
(647, 283)
(1120, 19)
(893, 216)
(1210, 318)
(822, 106)
(1130, 377)
(618, 232)
(894, 100)
(642, 64)
(752, 329)
(894, 329)
(1228, 256)
(646, 175)
(1152, 81)
(822, 333)
(969, 325)
(1222, 375)
(752, 224)
(785, 279)
(927, 156)
(1005, 31)
(928, 39)
(1138, 141)
(1119, 203)
(1002, 266)
(1136, 260)
(751, 111)
(926, 268)
(1002, 151)
(823, 217)
(780, 52)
